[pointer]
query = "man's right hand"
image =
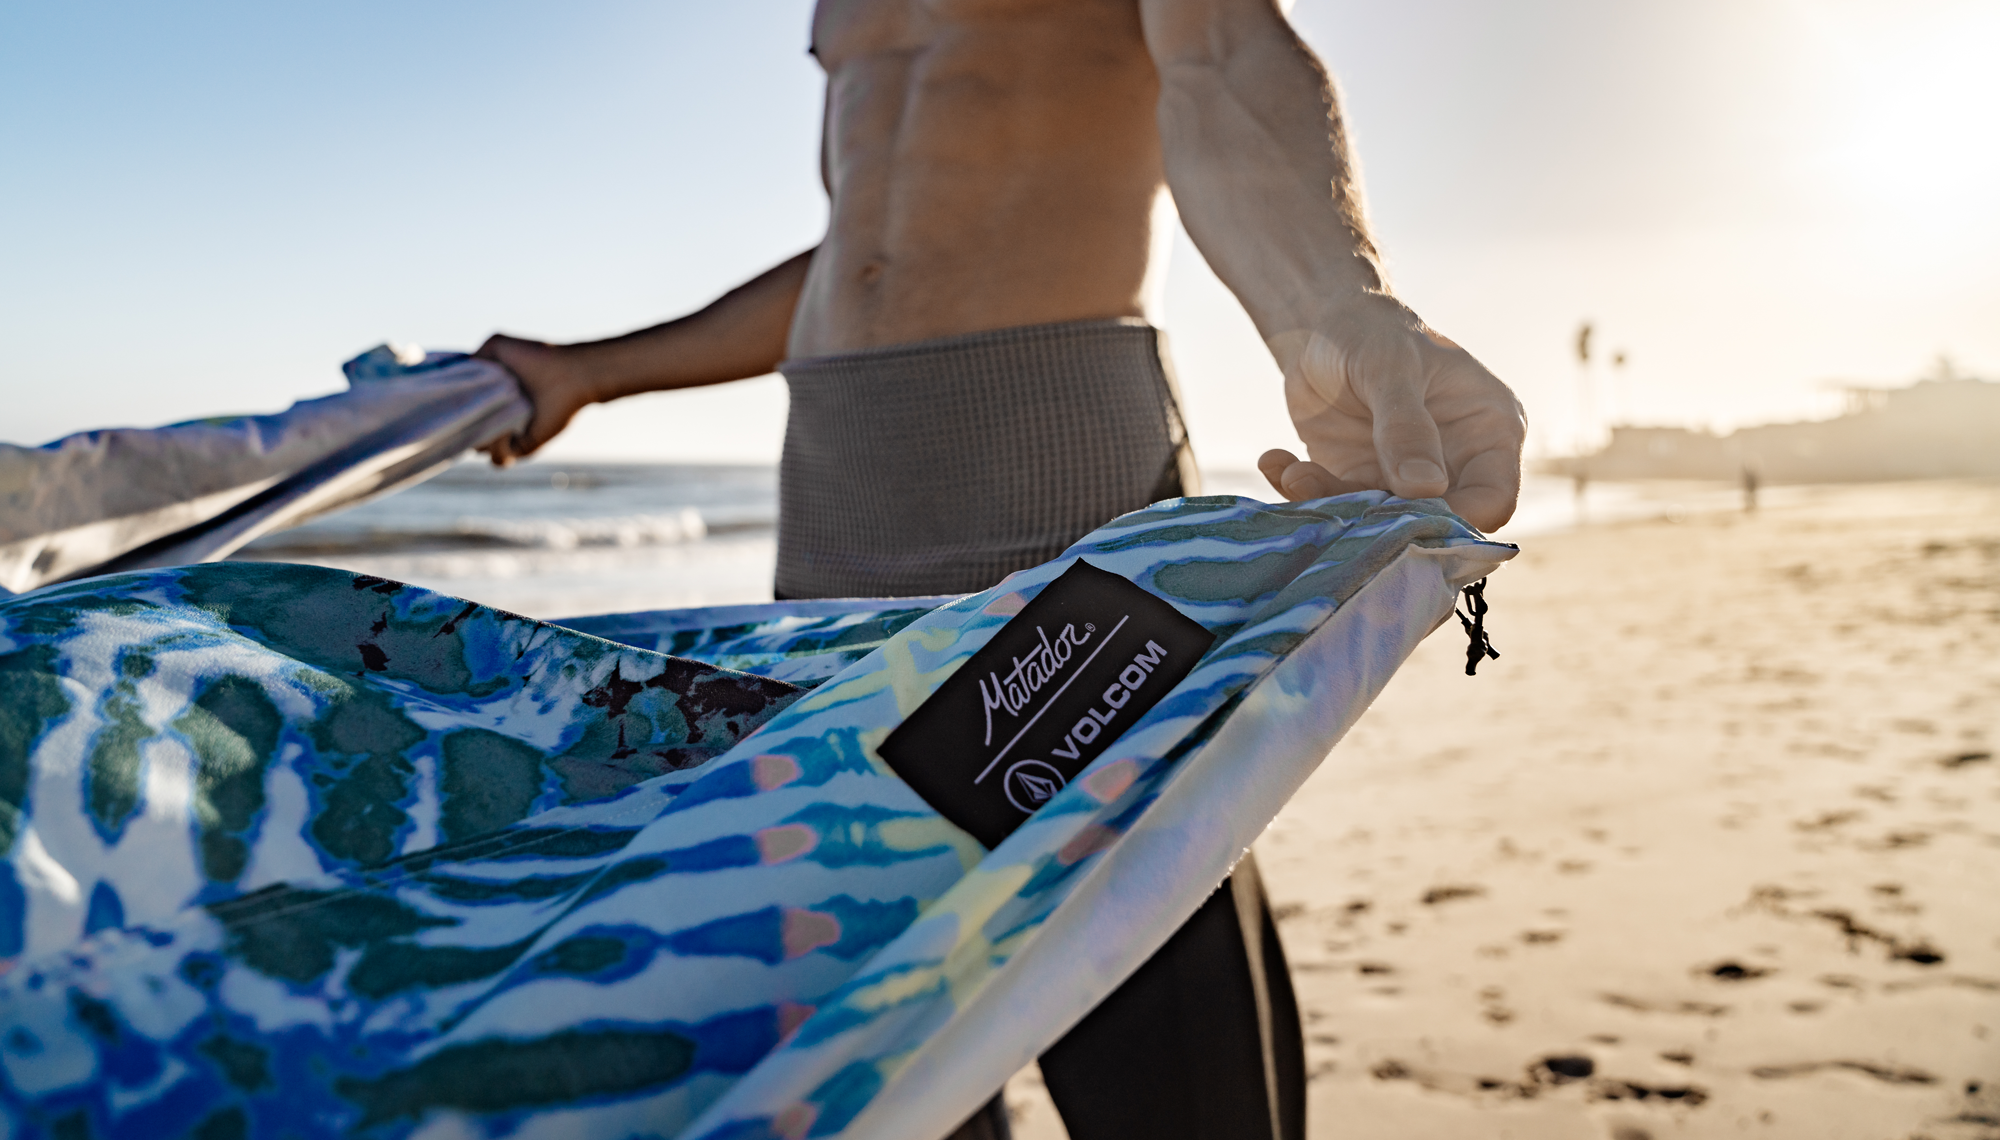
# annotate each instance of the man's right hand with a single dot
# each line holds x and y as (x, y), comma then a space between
(553, 379)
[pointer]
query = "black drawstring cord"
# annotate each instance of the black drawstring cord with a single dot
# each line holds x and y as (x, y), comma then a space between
(1479, 646)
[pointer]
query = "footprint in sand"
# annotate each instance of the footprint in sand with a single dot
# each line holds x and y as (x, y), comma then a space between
(1563, 1069)
(1493, 1006)
(1731, 971)
(1888, 1074)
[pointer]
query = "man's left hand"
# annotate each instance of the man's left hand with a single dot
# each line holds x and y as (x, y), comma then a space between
(1385, 403)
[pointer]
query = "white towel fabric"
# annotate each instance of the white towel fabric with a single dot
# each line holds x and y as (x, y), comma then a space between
(139, 498)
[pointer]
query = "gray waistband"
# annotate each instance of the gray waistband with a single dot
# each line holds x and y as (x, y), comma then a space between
(942, 466)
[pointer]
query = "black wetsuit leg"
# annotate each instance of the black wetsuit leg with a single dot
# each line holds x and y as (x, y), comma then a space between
(1204, 1041)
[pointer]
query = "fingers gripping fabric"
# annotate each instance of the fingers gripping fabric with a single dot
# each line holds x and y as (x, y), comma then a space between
(754, 945)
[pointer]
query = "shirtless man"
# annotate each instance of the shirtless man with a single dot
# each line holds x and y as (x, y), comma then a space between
(974, 386)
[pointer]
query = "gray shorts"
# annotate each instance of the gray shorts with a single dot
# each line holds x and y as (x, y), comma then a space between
(942, 466)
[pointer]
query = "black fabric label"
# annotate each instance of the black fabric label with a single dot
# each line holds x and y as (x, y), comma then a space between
(1053, 689)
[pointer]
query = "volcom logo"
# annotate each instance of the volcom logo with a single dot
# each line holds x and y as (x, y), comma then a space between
(1048, 692)
(1030, 673)
(1031, 783)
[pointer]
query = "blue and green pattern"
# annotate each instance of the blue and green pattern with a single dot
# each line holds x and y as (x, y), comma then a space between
(803, 642)
(295, 852)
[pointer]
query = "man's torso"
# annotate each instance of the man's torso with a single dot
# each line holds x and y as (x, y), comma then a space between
(991, 164)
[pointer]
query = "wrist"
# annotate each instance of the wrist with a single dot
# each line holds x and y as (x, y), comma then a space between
(1342, 321)
(596, 372)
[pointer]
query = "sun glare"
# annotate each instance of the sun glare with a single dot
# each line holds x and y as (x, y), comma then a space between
(1917, 114)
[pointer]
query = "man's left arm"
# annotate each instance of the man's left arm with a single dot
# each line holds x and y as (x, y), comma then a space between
(1257, 159)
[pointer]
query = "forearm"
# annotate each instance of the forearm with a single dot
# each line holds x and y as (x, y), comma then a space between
(1257, 159)
(741, 334)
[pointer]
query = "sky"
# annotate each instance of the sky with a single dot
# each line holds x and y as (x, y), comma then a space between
(205, 208)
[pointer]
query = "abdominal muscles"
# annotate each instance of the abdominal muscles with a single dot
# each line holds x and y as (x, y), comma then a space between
(985, 172)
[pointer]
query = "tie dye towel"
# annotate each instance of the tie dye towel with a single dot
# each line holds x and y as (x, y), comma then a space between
(292, 852)
(136, 498)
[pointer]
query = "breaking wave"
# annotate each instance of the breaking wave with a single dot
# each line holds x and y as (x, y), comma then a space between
(685, 525)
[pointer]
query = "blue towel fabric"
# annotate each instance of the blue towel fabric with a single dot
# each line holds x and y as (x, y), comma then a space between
(296, 852)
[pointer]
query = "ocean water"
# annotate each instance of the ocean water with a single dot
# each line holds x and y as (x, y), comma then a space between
(553, 540)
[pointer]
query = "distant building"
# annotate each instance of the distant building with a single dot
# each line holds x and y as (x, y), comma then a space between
(1934, 429)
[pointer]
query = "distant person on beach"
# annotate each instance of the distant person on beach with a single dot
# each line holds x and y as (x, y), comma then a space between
(974, 387)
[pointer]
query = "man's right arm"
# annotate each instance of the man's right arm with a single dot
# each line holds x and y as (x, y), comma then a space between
(742, 334)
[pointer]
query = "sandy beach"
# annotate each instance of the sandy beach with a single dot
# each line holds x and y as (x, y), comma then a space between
(1711, 851)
